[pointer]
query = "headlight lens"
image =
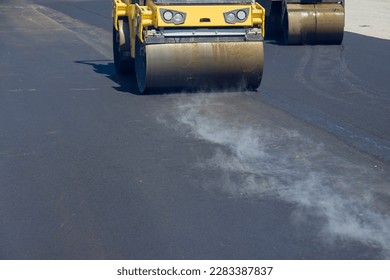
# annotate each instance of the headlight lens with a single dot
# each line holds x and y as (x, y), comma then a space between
(168, 15)
(171, 16)
(235, 16)
(231, 17)
(241, 15)
(178, 18)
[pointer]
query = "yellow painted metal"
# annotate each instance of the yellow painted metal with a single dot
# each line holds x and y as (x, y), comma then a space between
(149, 15)
(145, 17)
(119, 9)
(215, 14)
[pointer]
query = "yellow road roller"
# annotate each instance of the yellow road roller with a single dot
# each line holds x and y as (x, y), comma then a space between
(305, 21)
(191, 44)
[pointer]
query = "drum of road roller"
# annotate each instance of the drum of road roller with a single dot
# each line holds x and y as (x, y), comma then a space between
(314, 23)
(204, 65)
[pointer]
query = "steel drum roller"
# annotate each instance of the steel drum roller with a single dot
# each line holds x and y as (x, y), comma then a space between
(314, 23)
(199, 65)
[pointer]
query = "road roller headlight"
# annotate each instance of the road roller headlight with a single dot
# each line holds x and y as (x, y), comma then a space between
(231, 18)
(168, 15)
(241, 15)
(178, 18)
(171, 16)
(235, 16)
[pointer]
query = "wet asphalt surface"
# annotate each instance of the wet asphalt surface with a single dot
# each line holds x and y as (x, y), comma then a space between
(90, 169)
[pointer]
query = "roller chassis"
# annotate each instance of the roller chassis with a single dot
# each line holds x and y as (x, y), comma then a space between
(201, 51)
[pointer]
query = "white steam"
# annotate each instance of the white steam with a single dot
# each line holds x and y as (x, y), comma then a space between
(265, 161)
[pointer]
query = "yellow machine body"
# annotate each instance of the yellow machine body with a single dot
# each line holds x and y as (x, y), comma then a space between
(175, 44)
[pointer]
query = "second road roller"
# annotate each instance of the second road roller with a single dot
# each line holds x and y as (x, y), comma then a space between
(172, 44)
(305, 21)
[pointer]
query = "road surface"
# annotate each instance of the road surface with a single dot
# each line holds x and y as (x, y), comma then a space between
(90, 169)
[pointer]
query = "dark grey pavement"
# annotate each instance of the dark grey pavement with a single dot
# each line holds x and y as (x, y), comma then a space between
(89, 169)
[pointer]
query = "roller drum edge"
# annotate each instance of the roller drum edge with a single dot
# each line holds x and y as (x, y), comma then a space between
(330, 23)
(219, 65)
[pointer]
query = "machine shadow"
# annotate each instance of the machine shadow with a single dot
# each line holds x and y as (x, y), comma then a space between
(126, 84)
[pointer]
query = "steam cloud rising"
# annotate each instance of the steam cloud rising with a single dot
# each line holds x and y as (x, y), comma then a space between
(258, 159)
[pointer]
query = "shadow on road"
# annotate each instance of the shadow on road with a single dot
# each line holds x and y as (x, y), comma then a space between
(126, 84)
